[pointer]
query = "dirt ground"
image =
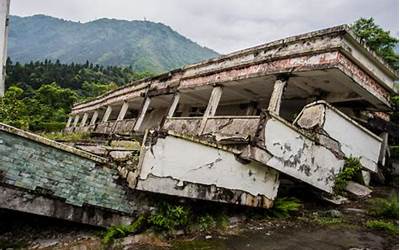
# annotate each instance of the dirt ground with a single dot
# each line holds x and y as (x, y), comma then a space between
(319, 225)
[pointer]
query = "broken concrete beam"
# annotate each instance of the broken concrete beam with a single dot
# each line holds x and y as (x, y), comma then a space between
(297, 155)
(231, 139)
(326, 121)
(180, 167)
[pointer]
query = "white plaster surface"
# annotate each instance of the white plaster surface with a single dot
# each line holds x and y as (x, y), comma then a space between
(187, 161)
(299, 157)
(354, 140)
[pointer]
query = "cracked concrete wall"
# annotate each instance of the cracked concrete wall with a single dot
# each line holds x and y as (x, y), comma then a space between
(29, 166)
(298, 156)
(183, 168)
(352, 139)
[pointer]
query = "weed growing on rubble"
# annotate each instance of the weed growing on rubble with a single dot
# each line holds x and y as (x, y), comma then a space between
(206, 222)
(209, 221)
(351, 169)
(384, 208)
(284, 207)
(123, 230)
(70, 137)
(170, 217)
(383, 226)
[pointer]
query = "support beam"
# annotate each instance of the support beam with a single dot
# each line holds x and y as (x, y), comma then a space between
(251, 108)
(194, 97)
(107, 114)
(276, 97)
(123, 111)
(174, 104)
(4, 21)
(212, 106)
(70, 118)
(84, 119)
(94, 117)
(143, 112)
(76, 121)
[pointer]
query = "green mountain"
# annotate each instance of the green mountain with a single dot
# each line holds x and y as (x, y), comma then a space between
(142, 44)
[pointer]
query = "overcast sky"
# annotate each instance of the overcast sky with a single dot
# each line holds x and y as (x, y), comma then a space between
(223, 25)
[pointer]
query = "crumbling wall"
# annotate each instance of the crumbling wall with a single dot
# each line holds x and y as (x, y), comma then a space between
(78, 181)
(298, 156)
(184, 168)
(348, 137)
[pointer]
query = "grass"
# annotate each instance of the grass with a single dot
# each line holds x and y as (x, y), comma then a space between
(328, 220)
(384, 208)
(382, 225)
(128, 144)
(169, 217)
(71, 137)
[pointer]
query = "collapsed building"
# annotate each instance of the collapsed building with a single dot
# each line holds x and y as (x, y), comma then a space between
(226, 128)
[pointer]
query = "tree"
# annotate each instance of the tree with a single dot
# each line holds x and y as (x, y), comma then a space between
(378, 40)
(13, 110)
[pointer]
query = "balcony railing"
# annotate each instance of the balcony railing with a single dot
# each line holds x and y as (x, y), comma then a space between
(124, 126)
(235, 126)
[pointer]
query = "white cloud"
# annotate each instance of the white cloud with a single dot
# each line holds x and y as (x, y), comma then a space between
(223, 25)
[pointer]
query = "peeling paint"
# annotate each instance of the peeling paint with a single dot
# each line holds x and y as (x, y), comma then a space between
(352, 138)
(298, 156)
(187, 162)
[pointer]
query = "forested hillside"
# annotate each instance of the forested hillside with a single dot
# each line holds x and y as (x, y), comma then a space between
(143, 45)
(40, 94)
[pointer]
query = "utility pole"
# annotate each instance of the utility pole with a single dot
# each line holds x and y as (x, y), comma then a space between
(4, 21)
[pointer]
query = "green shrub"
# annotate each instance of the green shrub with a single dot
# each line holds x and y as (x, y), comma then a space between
(221, 220)
(123, 230)
(351, 169)
(170, 217)
(283, 207)
(384, 208)
(383, 225)
(206, 222)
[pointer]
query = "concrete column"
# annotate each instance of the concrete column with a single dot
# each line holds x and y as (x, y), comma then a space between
(4, 11)
(143, 112)
(123, 111)
(276, 97)
(70, 118)
(107, 114)
(212, 106)
(94, 117)
(76, 121)
(84, 119)
(174, 105)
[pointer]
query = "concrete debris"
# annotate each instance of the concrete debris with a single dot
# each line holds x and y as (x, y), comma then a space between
(120, 155)
(335, 200)
(355, 210)
(358, 189)
(332, 213)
